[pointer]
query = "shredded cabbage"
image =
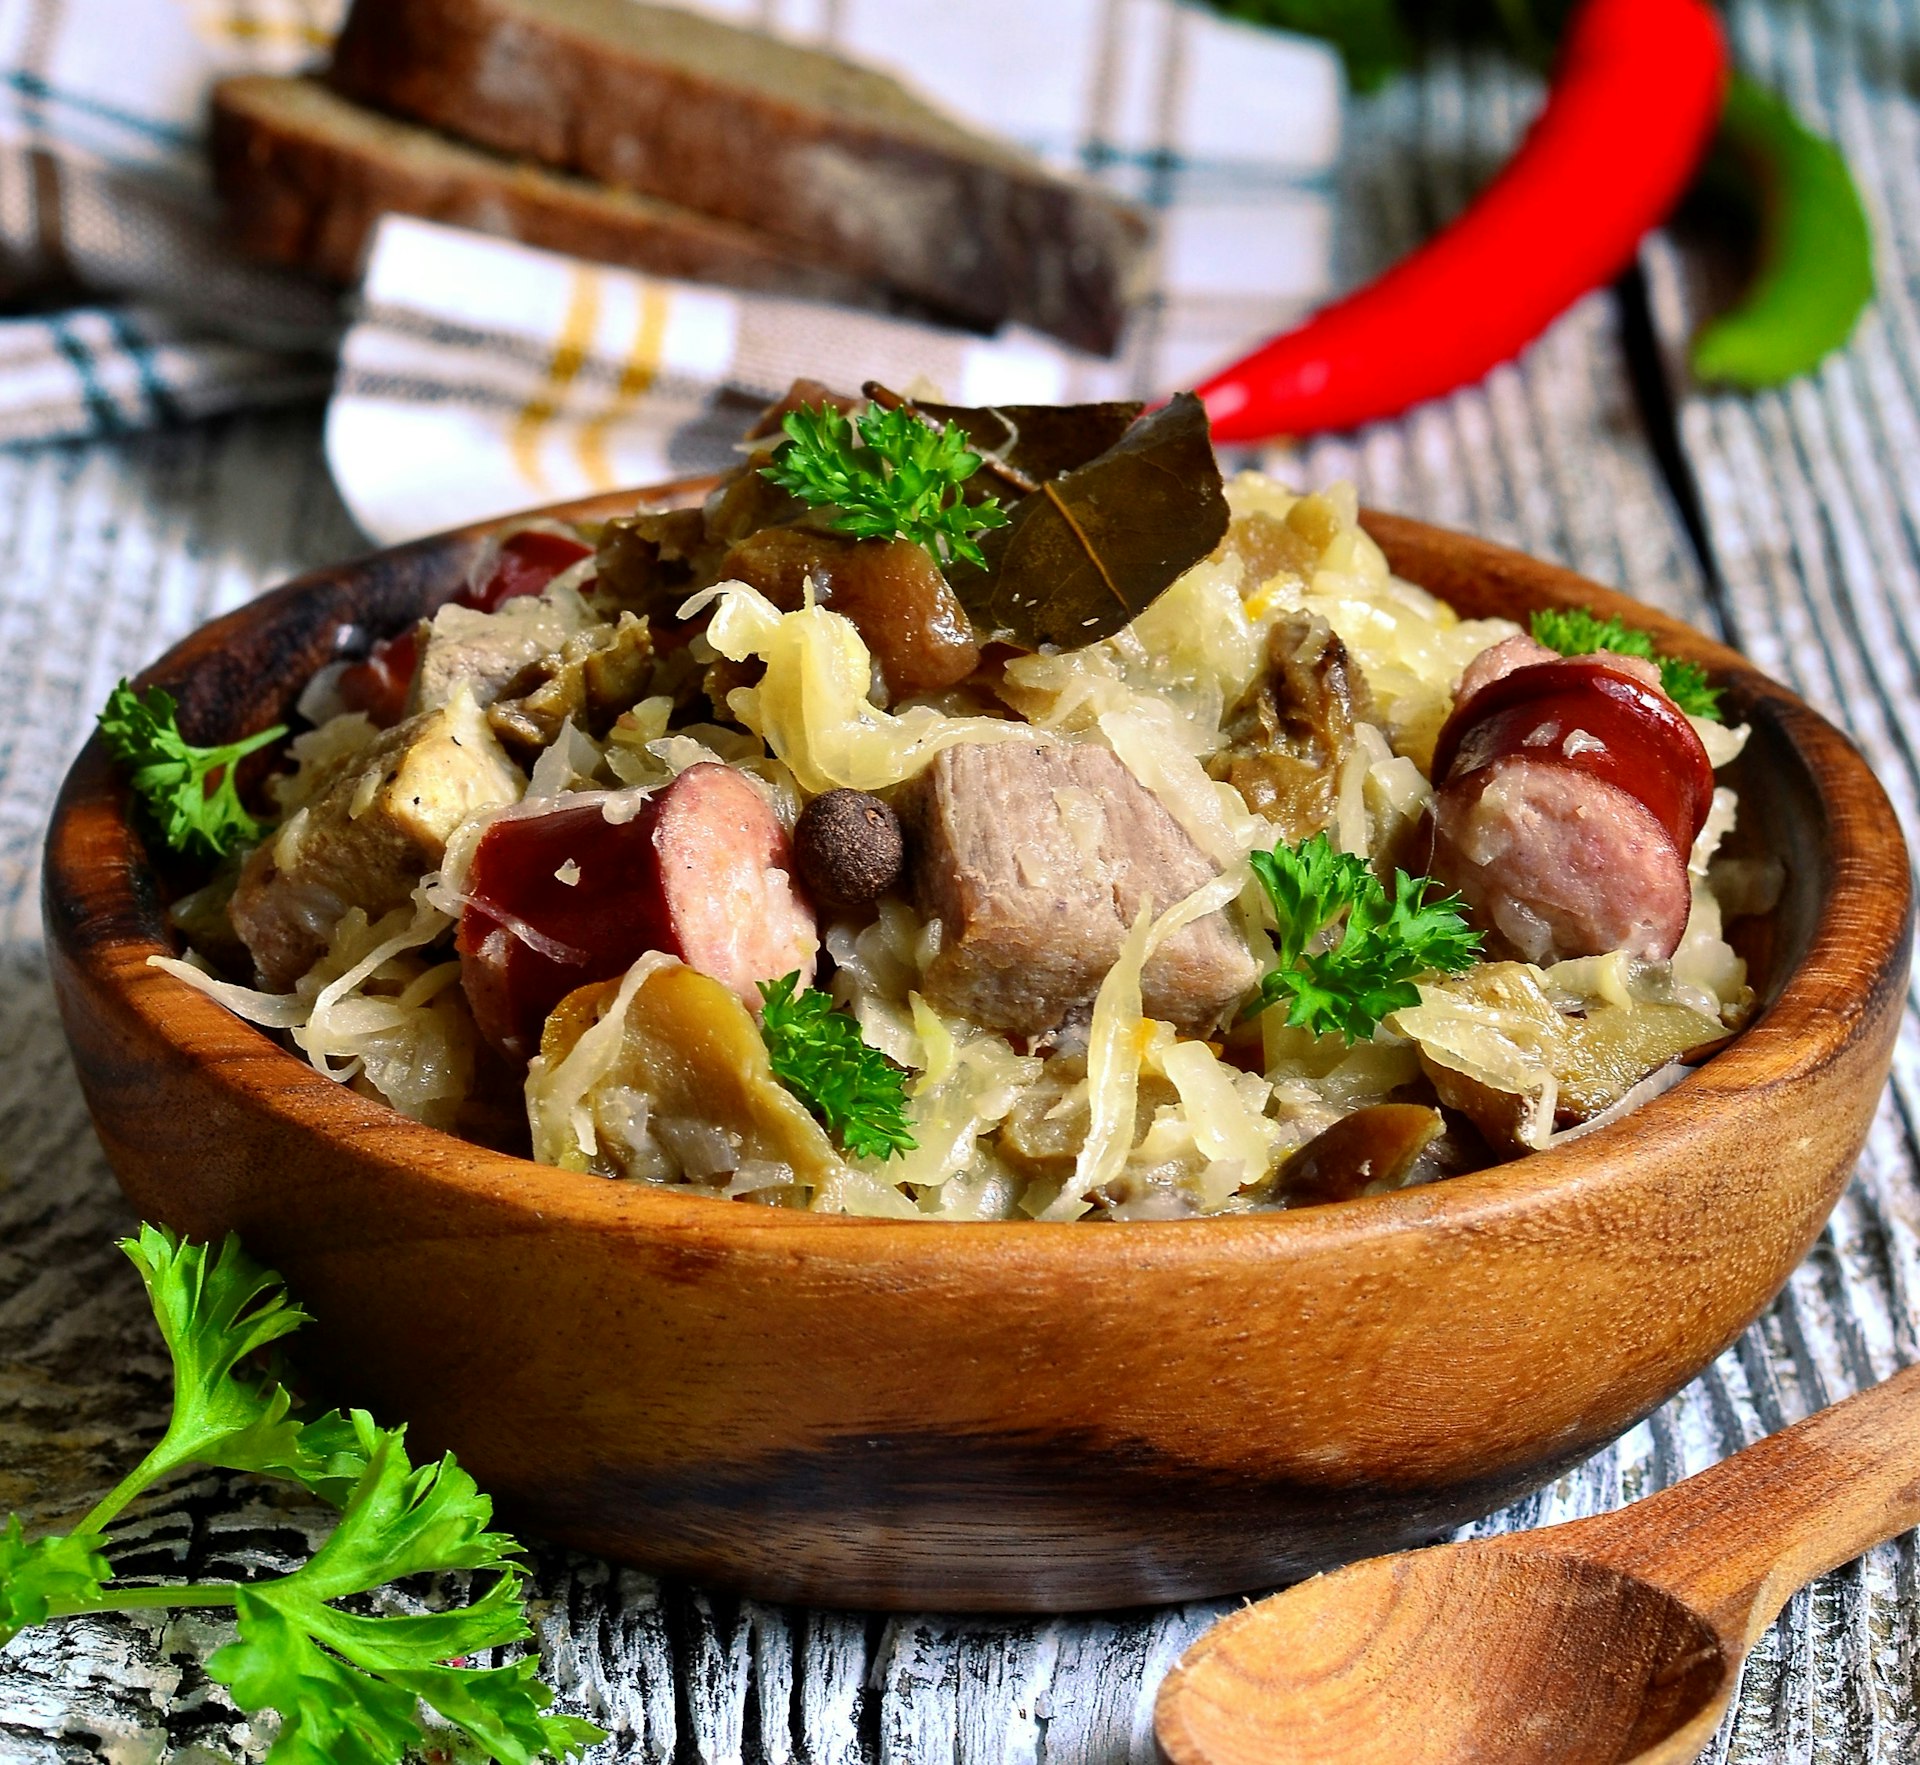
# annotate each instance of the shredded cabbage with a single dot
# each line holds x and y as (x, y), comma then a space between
(812, 706)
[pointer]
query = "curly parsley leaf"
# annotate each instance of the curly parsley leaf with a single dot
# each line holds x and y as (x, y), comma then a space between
(887, 474)
(818, 1054)
(1346, 983)
(49, 1573)
(1577, 631)
(170, 775)
(217, 1309)
(346, 1684)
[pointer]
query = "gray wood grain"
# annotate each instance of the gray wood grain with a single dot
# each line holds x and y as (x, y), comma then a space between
(107, 553)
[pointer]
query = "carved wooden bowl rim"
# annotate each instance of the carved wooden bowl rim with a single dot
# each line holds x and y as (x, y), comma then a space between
(105, 915)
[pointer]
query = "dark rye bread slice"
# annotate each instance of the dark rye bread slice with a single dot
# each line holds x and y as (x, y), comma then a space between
(791, 141)
(305, 174)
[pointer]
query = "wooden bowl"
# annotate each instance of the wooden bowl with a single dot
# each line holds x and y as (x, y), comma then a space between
(995, 1416)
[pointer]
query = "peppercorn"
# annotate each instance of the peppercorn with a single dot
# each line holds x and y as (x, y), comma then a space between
(848, 847)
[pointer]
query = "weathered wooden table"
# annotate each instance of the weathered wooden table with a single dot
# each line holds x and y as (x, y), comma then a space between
(1789, 522)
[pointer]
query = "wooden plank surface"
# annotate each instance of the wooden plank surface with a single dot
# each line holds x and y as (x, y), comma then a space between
(1810, 495)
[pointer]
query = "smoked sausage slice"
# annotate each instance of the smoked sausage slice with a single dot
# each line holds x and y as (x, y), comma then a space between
(557, 900)
(1568, 797)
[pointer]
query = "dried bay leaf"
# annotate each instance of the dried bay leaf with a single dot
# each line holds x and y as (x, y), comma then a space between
(1089, 550)
(1022, 445)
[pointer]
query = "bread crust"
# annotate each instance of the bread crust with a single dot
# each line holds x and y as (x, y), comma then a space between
(793, 142)
(305, 175)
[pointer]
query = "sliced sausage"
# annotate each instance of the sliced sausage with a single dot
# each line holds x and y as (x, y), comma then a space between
(380, 684)
(556, 901)
(525, 564)
(1569, 794)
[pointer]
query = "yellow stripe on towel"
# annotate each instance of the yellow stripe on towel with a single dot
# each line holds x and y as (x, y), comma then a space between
(642, 364)
(569, 354)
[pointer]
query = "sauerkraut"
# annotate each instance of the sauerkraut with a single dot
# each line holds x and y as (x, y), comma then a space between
(1115, 1115)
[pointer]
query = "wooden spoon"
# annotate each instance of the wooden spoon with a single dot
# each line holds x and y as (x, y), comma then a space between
(1606, 1641)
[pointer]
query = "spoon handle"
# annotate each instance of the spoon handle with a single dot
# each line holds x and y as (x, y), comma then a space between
(1737, 1540)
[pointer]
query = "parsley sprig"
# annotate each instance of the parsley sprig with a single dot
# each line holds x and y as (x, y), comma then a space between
(818, 1054)
(347, 1685)
(1578, 631)
(889, 474)
(1350, 982)
(169, 774)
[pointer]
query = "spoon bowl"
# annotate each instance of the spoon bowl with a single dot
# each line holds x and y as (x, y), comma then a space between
(1343, 1668)
(1610, 1641)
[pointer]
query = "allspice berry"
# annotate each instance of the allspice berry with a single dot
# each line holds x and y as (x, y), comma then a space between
(848, 848)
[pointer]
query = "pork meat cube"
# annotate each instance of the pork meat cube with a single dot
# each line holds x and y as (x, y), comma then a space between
(1036, 861)
(372, 827)
(489, 653)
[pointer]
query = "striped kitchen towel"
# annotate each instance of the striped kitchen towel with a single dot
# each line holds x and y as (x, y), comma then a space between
(483, 376)
(1226, 131)
(104, 196)
(109, 370)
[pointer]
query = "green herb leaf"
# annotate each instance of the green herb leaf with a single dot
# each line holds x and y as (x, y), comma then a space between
(169, 774)
(1578, 631)
(901, 478)
(1022, 445)
(34, 1577)
(1349, 983)
(818, 1054)
(217, 1309)
(346, 1684)
(1091, 549)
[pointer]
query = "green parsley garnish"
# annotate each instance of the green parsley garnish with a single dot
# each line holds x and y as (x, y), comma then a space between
(1351, 983)
(1576, 631)
(347, 1684)
(169, 774)
(901, 478)
(818, 1054)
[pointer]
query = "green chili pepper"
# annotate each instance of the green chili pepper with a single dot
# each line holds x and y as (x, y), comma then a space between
(1816, 271)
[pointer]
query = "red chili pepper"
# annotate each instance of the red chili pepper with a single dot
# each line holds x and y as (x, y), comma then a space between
(1635, 98)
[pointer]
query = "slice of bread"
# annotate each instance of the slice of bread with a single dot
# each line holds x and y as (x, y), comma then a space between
(837, 159)
(305, 174)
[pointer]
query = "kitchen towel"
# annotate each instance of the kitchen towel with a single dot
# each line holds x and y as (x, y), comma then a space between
(479, 375)
(104, 197)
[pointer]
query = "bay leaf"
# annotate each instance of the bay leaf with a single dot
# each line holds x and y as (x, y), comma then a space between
(1023, 445)
(1090, 549)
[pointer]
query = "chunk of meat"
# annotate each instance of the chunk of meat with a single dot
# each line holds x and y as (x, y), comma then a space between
(1290, 734)
(892, 590)
(1569, 796)
(561, 899)
(525, 564)
(1036, 861)
(373, 826)
(1497, 662)
(493, 654)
